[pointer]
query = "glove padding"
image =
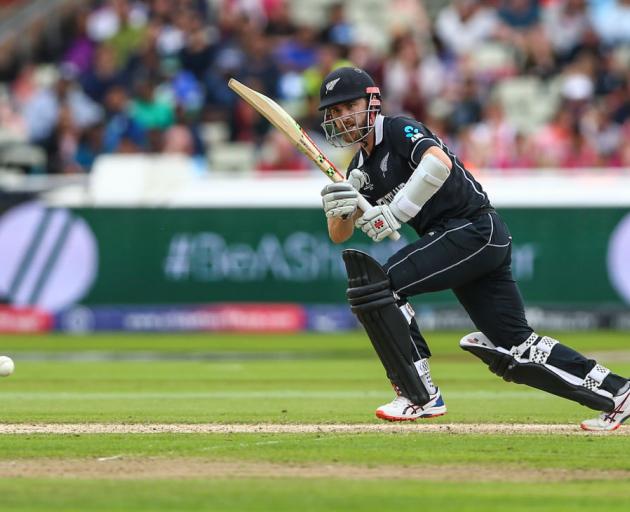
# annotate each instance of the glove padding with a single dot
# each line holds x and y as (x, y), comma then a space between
(340, 199)
(358, 178)
(378, 222)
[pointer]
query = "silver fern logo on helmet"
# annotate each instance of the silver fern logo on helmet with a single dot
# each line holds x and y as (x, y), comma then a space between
(331, 85)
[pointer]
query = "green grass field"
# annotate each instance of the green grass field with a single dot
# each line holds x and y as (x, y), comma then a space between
(181, 382)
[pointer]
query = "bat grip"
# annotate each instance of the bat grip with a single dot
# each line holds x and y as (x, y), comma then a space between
(365, 205)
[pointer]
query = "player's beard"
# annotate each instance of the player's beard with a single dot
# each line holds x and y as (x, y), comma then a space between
(355, 132)
(350, 129)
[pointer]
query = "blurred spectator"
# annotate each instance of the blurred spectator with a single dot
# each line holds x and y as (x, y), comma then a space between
(519, 14)
(599, 128)
(566, 25)
(89, 147)
(221, 103)
(328, 59)
(580, 151)
(197, 53)
(279, 22)
(130, 35)
(363, 56)
(160, 68)
(494, 140)
(521, 156)
(115, 16)
(552, 143)
(298, 53)
(338, 30)
(411, 79)
(11, 121)
(467, 107)
(66, 143)
(409, 16)
(183, 90)
(184, 136)
(259, 65)
(624, 151)
(619, 103)
(102, 75)
(81, 51)
(178, 140)
(145, 63)
(464, 24)
(122, 133)
(611, 19)
(520, 27)
(608, 72)
(577, 90)
(171, 36)
(149, 110)
(43, 109)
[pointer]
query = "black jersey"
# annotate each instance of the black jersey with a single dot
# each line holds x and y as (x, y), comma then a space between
(400, 143)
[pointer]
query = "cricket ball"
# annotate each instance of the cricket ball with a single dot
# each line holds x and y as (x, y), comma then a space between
(6, 366)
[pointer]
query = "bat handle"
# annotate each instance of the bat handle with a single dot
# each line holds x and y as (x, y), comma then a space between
(365, 205)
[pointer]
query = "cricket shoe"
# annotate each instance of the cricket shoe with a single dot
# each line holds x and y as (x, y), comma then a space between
(402, 409)
(608, 421)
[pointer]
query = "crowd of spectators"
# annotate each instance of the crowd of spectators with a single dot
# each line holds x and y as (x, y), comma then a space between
(133, 76)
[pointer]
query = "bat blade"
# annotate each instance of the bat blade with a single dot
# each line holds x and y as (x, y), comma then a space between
(283, 121)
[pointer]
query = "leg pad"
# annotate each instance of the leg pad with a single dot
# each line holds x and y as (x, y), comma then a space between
(372, 301)
(537, 375)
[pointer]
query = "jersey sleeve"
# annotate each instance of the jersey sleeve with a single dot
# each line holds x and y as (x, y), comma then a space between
(410, 139)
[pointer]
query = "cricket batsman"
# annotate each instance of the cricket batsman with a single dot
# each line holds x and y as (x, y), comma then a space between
(409, 176)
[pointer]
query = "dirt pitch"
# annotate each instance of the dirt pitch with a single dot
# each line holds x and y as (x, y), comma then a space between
(184, 468)
(119, 467)
(268, 428)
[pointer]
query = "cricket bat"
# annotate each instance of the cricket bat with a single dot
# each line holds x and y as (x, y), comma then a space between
(280, 118)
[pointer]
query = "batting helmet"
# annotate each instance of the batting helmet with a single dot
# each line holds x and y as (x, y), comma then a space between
(345, 84)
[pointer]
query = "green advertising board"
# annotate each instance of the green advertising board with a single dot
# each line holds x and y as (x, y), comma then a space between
(561, 256)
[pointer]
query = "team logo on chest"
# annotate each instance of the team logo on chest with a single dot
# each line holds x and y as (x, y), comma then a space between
(383, 165)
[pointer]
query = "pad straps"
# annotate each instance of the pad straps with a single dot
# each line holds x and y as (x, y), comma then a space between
(540, 349)
(595, 377)
(519, 350)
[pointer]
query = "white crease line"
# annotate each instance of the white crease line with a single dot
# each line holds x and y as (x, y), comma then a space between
(136, 395)
(416, 428)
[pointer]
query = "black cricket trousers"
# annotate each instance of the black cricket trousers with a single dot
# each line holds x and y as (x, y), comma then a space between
(473, 258)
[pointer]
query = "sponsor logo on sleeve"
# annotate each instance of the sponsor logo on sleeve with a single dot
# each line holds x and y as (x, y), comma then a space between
(413, 133)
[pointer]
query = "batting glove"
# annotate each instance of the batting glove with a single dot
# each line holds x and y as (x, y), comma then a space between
(340, 199)
(378, 222)
(358, 178)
